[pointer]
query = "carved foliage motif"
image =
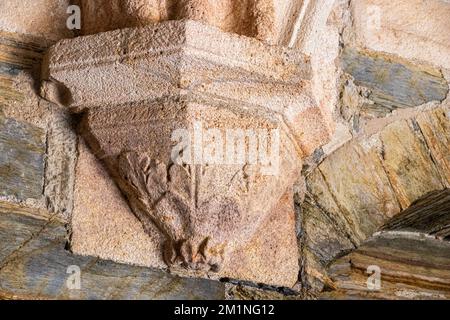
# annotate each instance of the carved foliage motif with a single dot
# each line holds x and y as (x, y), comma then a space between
(165, 195)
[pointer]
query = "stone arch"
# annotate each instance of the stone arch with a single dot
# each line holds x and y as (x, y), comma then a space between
(410, 253)
(368, 185)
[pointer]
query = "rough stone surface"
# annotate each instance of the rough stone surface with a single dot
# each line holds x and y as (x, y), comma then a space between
(41, 18)
(22, 149)
(22, 226)
(34, 264)
(104, 226)
(21, 55)
(60, 166)
(435, 127)
(367, 182)
(315, 35)
(384, 155)
(204, 211)
(265, 20)
(429, 215)
(408, 163)
(412, 267)
(270, 257)
(414, 29)
(17, 54)
(393, 83)
(360, 188)
(389, 107)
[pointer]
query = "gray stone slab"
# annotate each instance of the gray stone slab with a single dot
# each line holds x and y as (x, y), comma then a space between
(22, 149)
(38, 269)
(394, 83)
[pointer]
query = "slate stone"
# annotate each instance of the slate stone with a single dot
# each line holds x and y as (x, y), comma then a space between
(408, 163)
(23, 228)
(394, 83)
(17, 53)
(411, 267)
(22, 149)
(34, 264)
(429, 215)
(435, 127)
(358, 182)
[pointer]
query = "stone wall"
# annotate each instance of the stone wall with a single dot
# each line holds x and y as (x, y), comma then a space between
(362, 86)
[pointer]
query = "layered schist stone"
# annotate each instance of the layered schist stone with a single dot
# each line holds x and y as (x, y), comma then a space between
(45, 19)
(22, 149)
(409, 266)
(143, 91)
(34, 264)
(410, 256)
(429, 215)
(392, 82)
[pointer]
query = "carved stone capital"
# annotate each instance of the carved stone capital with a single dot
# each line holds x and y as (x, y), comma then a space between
(202, 130)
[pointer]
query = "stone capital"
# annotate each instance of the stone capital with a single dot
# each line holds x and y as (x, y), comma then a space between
(143, 91)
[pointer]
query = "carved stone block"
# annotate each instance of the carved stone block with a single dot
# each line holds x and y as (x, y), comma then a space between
(203, 131)
(266, 20)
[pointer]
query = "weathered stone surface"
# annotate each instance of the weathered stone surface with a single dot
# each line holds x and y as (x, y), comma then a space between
(60, 166)
(352, 188)
(393, 82)
(320, 207)
(104, 226)
(314, 274)
(266, 20)
(212, 202)
(173, 56)
(34, 264)
(179, 74)
(242, 292)
(414, 29)
(22, 149)
(17, 54)
(22, 226)
(408, 163)
(435, 127)
(271, 256)
(429, 215)
(360, 187)
(349, 197)
(314, 35)
(40, 18)
(412, 267)
(322, 240)
(322, 198)
(346, 200)
(322, 235)
(19, 100)
(176, 58)
(366, 183)
(38, 213)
